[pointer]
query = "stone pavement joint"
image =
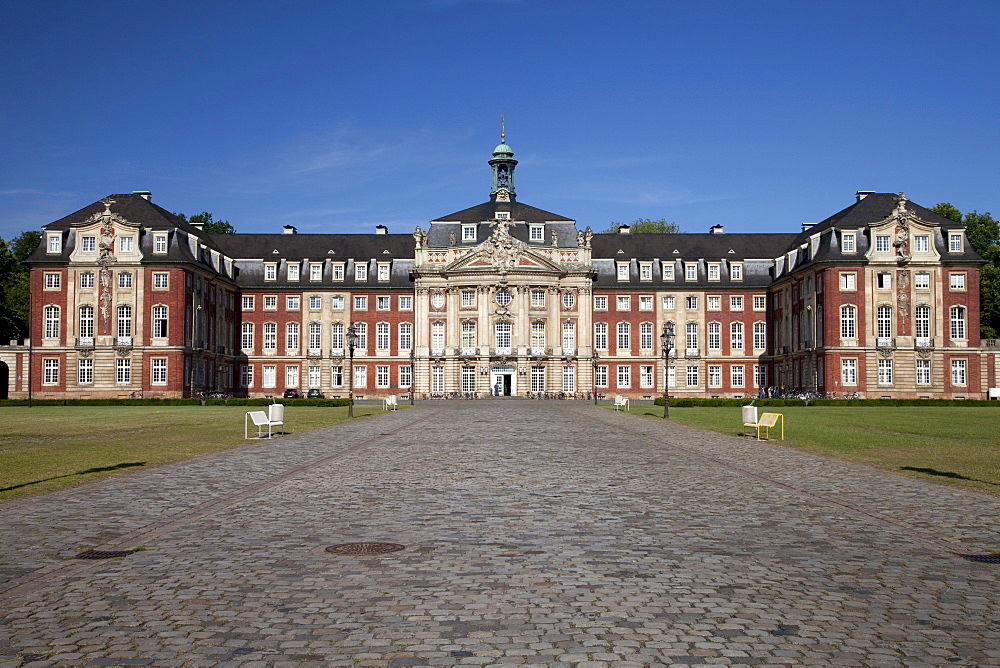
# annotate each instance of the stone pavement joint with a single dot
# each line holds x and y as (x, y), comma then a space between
(536, 533)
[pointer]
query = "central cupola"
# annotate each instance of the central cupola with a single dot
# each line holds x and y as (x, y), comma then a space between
(503, 164)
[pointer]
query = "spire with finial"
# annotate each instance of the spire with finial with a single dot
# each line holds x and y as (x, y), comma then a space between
(503, 163)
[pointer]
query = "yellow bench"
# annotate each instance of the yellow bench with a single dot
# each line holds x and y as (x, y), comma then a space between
(767, 420)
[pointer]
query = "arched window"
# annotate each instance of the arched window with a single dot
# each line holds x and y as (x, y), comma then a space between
(601, 335)
(160, 321)
(736, 336)
(124, 320)
(922, 322)
(884, 322)
(760, 336)
(52, 322)
(86, 322)
(624, 337)
(957, 322)
(270, 336)
(315, 336)
(646, 336)
(382, 336)
(405, 336)
(568, 337)
(714, 336)
(691, 336)
(292, 336)
(247, 342)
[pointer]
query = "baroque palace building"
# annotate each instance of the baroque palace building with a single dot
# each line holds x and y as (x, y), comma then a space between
(878, 300)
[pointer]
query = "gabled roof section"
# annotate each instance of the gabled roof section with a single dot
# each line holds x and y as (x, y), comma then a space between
(874, 208)
(487, 211)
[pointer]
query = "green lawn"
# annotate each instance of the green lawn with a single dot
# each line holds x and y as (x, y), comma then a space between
(956, 446)
(45, 448)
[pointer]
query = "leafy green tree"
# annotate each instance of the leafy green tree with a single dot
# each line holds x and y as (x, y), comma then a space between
(15, 300)
(647, 226)
(208, 223)
(983, 233)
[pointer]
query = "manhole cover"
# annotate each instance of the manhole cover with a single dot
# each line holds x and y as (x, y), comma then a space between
(365, 548)
(104, 554)
(983, 558)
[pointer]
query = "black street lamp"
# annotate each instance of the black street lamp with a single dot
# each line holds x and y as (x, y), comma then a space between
(594, 359)
(352, 340)
(667, 342)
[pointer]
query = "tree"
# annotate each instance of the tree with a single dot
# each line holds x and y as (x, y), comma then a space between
(647, 226)
(983, 234)
(15, 299)
(208, 223)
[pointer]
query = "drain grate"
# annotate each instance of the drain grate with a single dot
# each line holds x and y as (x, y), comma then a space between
(104, 554)
(365, 548)
(983, 558)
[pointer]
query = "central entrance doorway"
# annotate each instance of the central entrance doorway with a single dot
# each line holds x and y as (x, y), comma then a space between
(502, 381)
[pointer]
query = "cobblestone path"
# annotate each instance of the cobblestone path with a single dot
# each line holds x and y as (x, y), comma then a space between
(535, 532)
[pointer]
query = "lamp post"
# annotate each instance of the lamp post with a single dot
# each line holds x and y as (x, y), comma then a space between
(594, 359)
(413, 370)
(667, 341)
(352, 340)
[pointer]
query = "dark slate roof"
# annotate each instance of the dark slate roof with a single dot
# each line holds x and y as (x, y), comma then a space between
(487, 211)
(315, 247)
(439, 234)
(690, 246)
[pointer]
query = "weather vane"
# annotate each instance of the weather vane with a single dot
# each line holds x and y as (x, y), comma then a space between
(502, 133)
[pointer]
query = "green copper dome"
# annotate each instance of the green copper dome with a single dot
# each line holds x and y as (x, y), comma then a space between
(502, 149)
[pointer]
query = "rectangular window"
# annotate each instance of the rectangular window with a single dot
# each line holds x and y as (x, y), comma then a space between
(624, 303)
(954, 242)
(337, 302)
(50, 371)
(88, 244)
(383, 272)
(691, 303)
(713, 272)
(315, 303)
(736, 336)
(247, 303)
(292, 376)
(469, 298)
(55, 243)
(759, 375)
(270, 376)
(622, 271)
(759, 302)
(668, 271)
(123, 371)
(314, 377)
(406, 303)
(601, 376)
(849, 371)
(569, 379)
(270, 271)
(536, 233)
(405, 336)
(690, 272)
(315, 272)
(691, 338)
(736, 272)
(315, 337)
(124, 280)
(360, 272)
(270, 303)
(86, 280)
(885, 372)
(502, 334)
(52, 281)
(437, 379)
(714, 375)
(568, 337)
(883, 322)
(847, 281)
(159, 243)
(848, 322)
(645, 376)
(624, 376)
(161, 280)
(645, 303)
(958, 375)
(537, 379)
(692, 376)
(735, 303)
(382, 303)
(337, 271)
(360, 303)
(468, 379)
(922, 280)
(624, 337)
(921, 243)
(292, 336)
(847, 242)
(956, 281)
(381, 376)
(714, 303)
(538, 299)
(957, 323)
(469, 232)
(246, 375)
(669, 303)
(158, 371)
(337, 375)
(159, 321)
(360, 376)
(51, 322)
(85, 371)
(923, 372)
(645, 271)
(736, 375)
(883, 281)
(922, 324)
(882, 243)
(126, 244)
(405, 376)
(292, 303)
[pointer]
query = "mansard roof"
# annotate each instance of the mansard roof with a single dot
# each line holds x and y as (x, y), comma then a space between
(690, 246)
(487, 211)
(315, 247)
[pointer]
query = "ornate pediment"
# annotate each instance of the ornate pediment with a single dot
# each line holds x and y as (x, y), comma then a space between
(503, 253)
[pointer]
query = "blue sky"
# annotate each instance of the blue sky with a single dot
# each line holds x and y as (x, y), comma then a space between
(340, 116)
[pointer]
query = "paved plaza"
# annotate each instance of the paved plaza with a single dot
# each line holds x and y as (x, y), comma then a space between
(533, 532)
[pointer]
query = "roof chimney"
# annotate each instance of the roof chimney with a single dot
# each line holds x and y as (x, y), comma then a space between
(381, 229)
(716, 229)
(624, 229)
(145, 194)
(806, 226)
(861, 194)
(289, 229)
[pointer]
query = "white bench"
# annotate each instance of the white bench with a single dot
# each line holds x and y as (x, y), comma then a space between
(274, 417)
(390, 403)
(621, 403)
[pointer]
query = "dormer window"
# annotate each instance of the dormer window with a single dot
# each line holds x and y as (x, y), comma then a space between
(159, 243)
(55, 243)
(126, 244)
(293, 272)
(270, 271)
(623, 271)
(668, 271)
(360, 272)
(383, 272)
(690, 271)
(468, 232)
(536, 233)
(736, 272)
(847, 242)
(503, 215)
(954, 242)
(921, 243)
(88, 243)
(882, 243)
(315, 272)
